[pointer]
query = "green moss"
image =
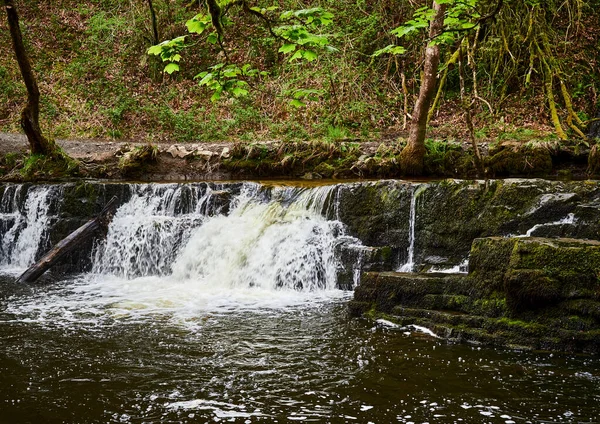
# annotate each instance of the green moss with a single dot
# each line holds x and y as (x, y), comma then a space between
(325, 169)
(515, 160)
(79, 200)
(530, 289)
(444, 158)
(493, 306)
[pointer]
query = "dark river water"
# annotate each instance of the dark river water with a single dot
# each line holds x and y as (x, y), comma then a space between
(76, 351)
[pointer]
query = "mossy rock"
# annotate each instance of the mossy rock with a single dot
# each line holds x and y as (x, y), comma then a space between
(377, 213)
(325, 169)
(136, 161)
(80, 200)
(519, 160)
(530, 289)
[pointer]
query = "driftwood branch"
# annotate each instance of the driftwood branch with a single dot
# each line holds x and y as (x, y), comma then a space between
(70, 243)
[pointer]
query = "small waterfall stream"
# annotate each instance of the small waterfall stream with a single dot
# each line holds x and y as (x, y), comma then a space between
(410, 263)
(185, 248)
(26, 230)
(276, 238)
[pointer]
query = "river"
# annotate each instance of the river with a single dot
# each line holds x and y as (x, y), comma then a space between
(192, 315)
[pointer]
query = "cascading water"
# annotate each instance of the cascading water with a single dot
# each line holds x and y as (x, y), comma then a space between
(24, 232)
(267, 245)
(167, 248)
(410, 263)
(146, 232)
(568, 220)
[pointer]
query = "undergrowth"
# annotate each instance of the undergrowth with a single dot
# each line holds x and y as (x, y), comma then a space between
(97, 81)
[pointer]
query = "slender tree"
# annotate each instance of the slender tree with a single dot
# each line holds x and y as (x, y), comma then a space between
(155, 39)
(411, 157)
(30, 115)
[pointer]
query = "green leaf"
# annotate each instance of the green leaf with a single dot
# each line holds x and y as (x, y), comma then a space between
(155, 50)
(297, 103)
(390, 49)
(239, 92)
(171, 67)
(198, 24)
(206, 78)
(297, 55)
(309, 55)
(195, 27)
(287, 48)
(216, 96)
(212, 38)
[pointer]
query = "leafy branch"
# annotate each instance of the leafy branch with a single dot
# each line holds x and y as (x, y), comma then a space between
(299, 33)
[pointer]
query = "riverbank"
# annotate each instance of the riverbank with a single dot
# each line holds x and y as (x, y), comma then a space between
(127, 160)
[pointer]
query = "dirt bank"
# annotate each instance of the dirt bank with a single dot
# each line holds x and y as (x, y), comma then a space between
(129, 160)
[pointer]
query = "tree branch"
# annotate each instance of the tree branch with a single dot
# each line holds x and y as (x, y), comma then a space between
(477, 23)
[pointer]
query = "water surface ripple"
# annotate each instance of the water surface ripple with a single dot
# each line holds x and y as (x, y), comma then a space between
(303, 360)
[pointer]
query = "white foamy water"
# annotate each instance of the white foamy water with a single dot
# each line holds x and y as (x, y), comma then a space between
(168, 253)
(461, 268)
(25, 231)
(569, 219)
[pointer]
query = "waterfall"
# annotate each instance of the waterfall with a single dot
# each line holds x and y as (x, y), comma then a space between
(272, 238)
(146, 232)
(410, 263)
(24, 232)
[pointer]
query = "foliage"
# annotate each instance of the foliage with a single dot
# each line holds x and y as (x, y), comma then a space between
(298, 32)
(461, 15)
(99, 82)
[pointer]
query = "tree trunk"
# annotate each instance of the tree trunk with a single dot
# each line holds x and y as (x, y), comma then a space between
(30, 115)
(155, 38)
(411, 158)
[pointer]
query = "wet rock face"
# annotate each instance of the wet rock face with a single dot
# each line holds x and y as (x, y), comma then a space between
(538, 272)
(531, 292)
(451, 214)
(377, 213)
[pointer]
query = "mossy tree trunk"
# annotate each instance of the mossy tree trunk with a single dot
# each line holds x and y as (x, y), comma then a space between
(30, 115)
(412, 156)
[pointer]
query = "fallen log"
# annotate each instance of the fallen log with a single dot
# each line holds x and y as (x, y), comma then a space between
(69, 243)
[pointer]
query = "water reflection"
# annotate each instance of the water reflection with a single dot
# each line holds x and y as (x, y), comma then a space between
(302, 362)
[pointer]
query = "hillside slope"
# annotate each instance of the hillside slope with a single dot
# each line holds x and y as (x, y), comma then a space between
(98, 82)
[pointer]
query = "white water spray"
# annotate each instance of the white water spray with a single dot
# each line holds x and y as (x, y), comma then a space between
(274, 248)
(26, 231)
(265, 245)
(569, 220)
(147, 231)
(410, 263)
